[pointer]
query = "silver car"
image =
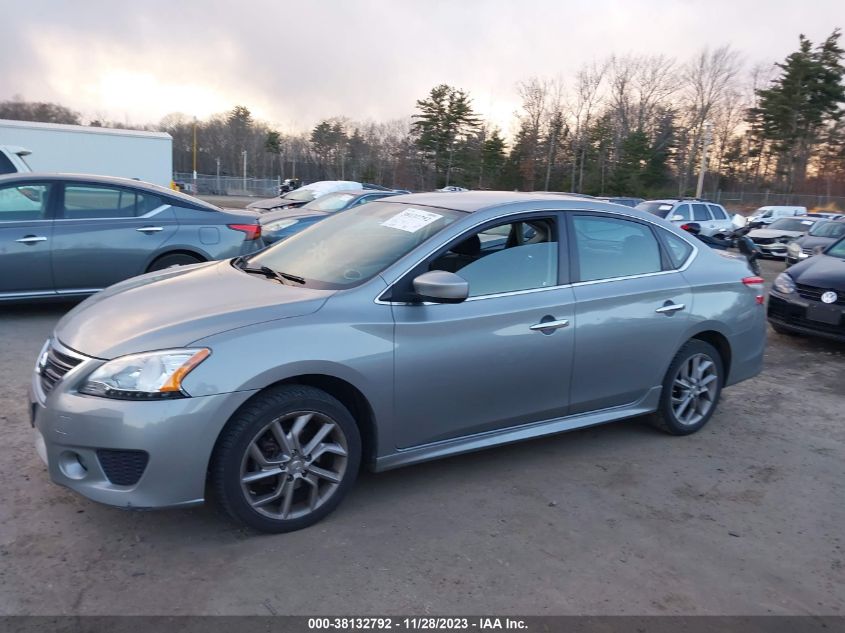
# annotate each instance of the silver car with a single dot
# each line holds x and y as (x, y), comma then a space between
(63, 235)
(403, 330)
(712, 218)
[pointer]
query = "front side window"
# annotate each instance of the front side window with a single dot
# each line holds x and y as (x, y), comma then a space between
(700, 213)
(612, 247)
(683, 211)
(90, 201)
(505, 258)
(23, 202)
(349, 248)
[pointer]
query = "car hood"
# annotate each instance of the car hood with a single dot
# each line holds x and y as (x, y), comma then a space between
(176, 306)
(811, 241)
(821, 271)
(291, 214)
(274, 203)
(764, 233)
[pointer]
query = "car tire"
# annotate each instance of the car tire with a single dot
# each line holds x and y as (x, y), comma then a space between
(173, 260)
(264, 471)
(695, 376)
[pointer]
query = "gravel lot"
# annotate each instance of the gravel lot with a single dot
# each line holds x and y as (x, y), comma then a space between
(746, 517)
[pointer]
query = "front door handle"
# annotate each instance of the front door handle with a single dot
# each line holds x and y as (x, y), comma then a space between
(549, 325)
(150, 229)
(670, 308)
(32, 239)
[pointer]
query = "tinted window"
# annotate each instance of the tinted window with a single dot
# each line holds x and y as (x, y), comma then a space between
(23, 202)
(147, 202)
(610, 247)
(792, 224)
(700, 213)
(6, 166)
(89, 201)
(718, 212)
(505, 258)
(350, 247)
(678, 249)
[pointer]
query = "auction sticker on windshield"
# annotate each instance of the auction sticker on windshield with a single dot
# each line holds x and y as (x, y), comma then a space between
(411, 220)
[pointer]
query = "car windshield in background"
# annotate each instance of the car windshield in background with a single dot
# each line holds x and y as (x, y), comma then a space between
(330, 202)
(828, 229)
(354, 246)
(792, 224)
(660, 209)
(837, 250)
(300, 195)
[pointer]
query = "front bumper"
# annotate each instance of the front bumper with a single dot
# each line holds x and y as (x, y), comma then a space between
(773, 250)
(165, 446)
(791, 312)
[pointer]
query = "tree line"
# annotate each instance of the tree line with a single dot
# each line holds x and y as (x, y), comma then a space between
(625, 125)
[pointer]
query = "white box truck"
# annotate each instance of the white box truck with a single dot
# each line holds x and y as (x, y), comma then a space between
(77, 149)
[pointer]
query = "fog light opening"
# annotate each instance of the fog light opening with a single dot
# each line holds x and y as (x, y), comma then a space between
(72, 465)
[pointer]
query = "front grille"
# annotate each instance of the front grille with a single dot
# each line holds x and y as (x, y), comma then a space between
(55, 367)
(815, 294)
(791, 314)
(763, 240)
(123, 468)
(808, 251)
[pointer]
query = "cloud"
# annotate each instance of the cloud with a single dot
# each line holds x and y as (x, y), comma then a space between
(295, 63)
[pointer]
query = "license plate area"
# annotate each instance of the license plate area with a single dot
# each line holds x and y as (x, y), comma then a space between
(830, 315)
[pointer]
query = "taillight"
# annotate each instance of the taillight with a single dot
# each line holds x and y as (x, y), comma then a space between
(252, 231)
(756, 283)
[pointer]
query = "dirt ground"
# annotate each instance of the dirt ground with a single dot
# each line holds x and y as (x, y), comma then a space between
(745, 517)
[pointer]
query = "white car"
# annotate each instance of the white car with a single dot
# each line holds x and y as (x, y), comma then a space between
(767, 215)
(773, 239)
(711, 217)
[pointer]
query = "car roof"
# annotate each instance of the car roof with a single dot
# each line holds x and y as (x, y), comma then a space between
(472, 201)
(110, 180)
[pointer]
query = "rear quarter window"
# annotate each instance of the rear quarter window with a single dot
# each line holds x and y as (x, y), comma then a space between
(677, 249)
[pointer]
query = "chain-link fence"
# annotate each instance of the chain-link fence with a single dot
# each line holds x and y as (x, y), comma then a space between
(744, 200)
(227, 185)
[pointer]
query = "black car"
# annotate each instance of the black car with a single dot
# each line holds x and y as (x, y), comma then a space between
(822, 235)
(809, 298)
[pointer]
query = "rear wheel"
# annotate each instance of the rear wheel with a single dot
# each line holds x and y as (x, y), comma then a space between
(287, 459)
(173, 260)
(691, 389)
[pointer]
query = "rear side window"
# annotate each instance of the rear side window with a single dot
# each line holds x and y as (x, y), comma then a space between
(90, 201)
(700, 213)
(718, 212)
(20, 203)
(147, 202)
(6, 166)
(612, 247)
(677, 249)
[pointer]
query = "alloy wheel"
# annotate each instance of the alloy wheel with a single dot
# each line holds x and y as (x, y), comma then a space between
(694, 389)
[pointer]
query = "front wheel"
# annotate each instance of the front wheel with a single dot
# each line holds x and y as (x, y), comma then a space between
(691, 389)
(286, 459)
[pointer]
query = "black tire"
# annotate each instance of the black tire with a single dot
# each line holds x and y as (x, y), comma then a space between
(782, 330)
(250, 425)
(665, 417)
(174, 259)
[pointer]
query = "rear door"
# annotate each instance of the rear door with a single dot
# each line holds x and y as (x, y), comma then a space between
(632, 307)
(26, 228)
(104, 234)
(721, 220)
(702, 215)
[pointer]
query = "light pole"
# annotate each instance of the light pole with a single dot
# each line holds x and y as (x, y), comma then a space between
(218, 176)
(244, 155)
(195, 157)
(705, 144)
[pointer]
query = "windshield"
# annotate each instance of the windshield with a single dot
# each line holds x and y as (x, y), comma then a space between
(660, 209)
(301, 194)
(828, 229)
(792, 224)
(354, 246)
(837, 250)
(331, 202)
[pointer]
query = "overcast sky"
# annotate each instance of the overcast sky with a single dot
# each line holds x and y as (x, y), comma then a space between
(293, 63)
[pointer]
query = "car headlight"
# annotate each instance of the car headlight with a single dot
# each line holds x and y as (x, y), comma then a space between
(278, 225)
(784, 284)
(147, 376)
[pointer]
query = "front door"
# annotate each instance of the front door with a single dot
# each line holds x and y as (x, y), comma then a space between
(105, 234)
(487, 363)
(25, 238)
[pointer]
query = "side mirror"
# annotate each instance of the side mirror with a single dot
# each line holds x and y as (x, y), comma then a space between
(441, 286)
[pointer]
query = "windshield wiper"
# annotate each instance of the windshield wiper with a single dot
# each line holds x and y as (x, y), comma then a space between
(266, 271)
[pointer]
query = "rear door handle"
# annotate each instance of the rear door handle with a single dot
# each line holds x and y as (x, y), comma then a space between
(549, 325)
(670, 308)
(150, 229)
(32, 239)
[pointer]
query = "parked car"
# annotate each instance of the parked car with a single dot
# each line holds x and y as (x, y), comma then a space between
(65, 235)
(809, 298)
(768, 214)
(399, 331)
(711, 217)
(452, 189)
(277, 225)
(626, 202)
(820, 236)
(313, 191)
(773, 239)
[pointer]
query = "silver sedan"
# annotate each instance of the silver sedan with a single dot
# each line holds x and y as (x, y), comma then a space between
(400, 331)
